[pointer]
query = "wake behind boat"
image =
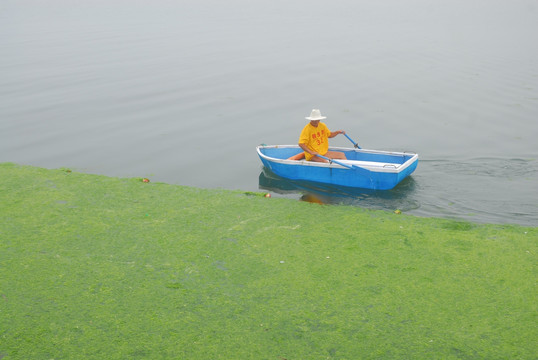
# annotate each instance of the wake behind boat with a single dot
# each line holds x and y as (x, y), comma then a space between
(368, 169)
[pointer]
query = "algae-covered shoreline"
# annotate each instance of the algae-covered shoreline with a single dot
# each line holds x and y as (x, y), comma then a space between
(99, 267)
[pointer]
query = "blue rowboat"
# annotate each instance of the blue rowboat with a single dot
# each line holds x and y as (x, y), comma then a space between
(368, 169)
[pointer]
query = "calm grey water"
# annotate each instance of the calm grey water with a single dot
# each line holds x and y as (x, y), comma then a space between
(183, 91)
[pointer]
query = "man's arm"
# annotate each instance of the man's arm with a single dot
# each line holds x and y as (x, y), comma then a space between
(305, 148)
(334, 133)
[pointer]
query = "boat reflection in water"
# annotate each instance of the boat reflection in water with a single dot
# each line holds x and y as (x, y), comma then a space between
(401, 197)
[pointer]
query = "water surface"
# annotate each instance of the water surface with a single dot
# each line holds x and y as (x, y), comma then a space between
(183, 91)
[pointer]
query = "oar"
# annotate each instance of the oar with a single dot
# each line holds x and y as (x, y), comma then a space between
(359, 169)
(354, 143)
(336, 162)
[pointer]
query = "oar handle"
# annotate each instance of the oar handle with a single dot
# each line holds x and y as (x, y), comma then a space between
(354, 143)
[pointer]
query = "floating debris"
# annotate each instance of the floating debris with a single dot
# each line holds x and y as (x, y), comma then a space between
(252, 193)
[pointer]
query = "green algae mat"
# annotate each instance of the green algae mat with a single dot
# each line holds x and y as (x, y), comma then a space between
(93, 267)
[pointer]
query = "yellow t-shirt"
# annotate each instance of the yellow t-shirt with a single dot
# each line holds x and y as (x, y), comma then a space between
(315, 138)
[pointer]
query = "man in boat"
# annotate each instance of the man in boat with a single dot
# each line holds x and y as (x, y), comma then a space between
(314, 139)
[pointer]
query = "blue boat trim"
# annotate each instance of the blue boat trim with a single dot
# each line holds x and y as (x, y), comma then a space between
(370, 169)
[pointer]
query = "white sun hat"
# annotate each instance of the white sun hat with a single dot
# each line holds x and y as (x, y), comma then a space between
(315, 115)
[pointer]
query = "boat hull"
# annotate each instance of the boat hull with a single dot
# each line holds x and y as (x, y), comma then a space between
(370, 169)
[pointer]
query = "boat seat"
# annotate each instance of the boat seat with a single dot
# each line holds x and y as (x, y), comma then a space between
(369, 163)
